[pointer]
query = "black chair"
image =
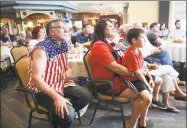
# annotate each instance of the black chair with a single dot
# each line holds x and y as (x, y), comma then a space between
(100, 97)
(6, 73)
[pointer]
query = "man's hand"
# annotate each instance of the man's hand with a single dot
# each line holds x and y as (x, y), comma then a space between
(156, 51)
(61, 106)
(68, 75)
(153, 66)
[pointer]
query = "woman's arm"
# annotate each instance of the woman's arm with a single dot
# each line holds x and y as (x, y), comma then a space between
(119, 69)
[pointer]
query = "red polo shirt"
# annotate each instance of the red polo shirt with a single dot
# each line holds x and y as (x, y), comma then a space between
(132, 61)
(101, 56)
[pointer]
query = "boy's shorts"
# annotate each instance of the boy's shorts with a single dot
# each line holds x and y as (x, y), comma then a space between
(140, 86)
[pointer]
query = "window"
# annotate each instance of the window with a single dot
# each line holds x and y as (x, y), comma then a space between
(179, 13)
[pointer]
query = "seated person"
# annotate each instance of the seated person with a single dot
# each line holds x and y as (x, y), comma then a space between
(177, 34)
(168, 75)
(163, 33)
(155, 54)
(51, 79)
(7, 39)
(104, 64)
(38, 34)
(134, 62)
(85, 35)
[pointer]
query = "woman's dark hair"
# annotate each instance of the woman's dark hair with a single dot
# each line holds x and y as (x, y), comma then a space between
(134, 33)
(99, 31)
(161, 25)
(36, 31)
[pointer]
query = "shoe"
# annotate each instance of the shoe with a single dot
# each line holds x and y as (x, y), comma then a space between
(82, 111)
(172, 93)
(179, 82)
(181, 98)
(157, 104)
(171, 109)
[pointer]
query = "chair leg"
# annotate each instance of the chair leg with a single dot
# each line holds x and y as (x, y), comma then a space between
(78, 113)
(30, 118)
(106, 105)
(94, 113)
(122, 115)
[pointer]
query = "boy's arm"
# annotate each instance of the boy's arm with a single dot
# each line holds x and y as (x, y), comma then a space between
(141, 77)
(151, 83)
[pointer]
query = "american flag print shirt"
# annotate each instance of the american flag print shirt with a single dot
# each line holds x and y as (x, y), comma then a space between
(56, 65)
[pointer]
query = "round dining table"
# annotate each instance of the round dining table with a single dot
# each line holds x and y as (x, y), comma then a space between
(5, 52)
(177, 51)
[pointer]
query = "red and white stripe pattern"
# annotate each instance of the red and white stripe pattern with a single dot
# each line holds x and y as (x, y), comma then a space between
(54, 74)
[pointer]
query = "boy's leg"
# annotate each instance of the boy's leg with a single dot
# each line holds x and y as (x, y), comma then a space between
(146, 101)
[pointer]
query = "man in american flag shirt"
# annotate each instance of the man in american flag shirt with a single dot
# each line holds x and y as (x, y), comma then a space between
(51, 79)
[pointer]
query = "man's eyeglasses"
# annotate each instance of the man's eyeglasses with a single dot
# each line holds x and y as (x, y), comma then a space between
(60, 27)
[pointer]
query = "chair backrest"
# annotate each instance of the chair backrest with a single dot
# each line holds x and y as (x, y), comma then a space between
(21, 66)
(87, 64)
(18, 51)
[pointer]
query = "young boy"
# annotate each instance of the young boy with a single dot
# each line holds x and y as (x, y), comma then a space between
(134, 62)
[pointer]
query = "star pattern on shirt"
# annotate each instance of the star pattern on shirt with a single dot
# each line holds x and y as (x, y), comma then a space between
(51, 47)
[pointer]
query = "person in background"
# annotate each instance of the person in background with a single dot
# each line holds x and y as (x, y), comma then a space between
(28, 34)
(168, 75)
(163, 33)
(74, 32)
(123, 43)
(51, 78)
(85, 35)
(177, 34)
(38, 34)
(7, 39)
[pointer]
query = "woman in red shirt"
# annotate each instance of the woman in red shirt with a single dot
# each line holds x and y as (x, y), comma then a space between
(105, 63)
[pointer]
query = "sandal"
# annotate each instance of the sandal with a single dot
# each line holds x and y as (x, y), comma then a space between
(171, 109)
(180, 98)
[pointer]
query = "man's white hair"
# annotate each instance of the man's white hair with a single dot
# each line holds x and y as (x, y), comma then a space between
(137, 24)
(124, 28)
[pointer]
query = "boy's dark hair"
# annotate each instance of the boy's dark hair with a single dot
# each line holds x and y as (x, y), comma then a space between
(134, 33)
(153, 24)
(177, 21)
(84, 26)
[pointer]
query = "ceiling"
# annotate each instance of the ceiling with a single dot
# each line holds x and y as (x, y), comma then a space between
(102, 7)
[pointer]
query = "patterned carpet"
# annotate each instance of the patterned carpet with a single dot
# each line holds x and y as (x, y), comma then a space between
(15, 113)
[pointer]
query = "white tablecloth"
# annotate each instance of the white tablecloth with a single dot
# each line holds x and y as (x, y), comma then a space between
(177, 51)
(77, 65)
(5, 52)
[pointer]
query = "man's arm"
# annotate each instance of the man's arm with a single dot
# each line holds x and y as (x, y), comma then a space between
(38, 68)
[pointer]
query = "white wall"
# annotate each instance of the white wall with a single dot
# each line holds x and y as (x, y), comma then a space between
(143, 11)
